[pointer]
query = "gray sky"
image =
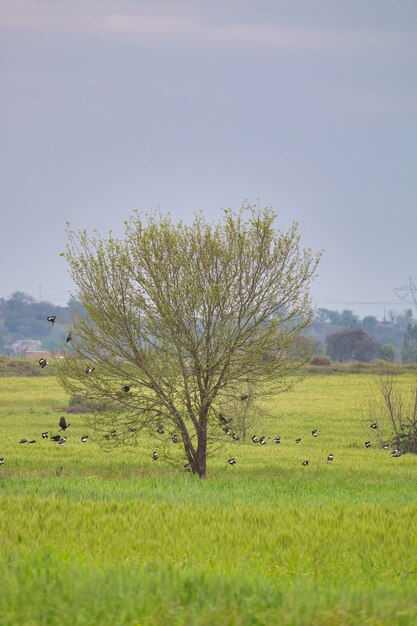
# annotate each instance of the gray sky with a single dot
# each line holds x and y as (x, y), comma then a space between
(307, 105)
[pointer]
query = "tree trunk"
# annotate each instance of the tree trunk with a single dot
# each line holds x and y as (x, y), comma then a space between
(200, 458)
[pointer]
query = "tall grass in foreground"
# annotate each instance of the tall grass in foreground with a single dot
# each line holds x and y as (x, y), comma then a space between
(90, 538)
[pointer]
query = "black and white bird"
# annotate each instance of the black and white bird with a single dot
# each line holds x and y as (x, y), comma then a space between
(126, 388)
(232, 461)
(155, 456)
(315, 432)
(277, 439)
(84, 438)
(298, 440)
(63, 423)
(2, 460)
(262, 440)
(305, 462)
(367, 444)
(227, 430)
(374, 426)
(160, 429)
(255, 439)
(174, 439)
(113, 433)
(62, 441)
(236, 437)
(89, 370)
(385, 446)
(224, 420)
(45, 435)
(396, 453)
(51, 318)
(55, 437)
(23, 441)
(43, 362)
(330, 458)
(106, 437)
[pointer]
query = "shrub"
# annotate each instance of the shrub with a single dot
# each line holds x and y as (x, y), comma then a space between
(321, 359)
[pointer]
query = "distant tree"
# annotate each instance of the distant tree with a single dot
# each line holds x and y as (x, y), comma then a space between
(387, 352)
(183, 322)
(409, 348)
(351, 345)
(348, 318)
(369, 323)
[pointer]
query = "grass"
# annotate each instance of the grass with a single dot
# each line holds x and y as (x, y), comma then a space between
(88, 537)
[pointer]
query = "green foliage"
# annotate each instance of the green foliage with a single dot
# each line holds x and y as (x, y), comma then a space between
(387, 352)
(320, 359)
(351, 345)
(409, 348)
(188, 319)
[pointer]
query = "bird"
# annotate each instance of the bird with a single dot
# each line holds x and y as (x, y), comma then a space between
(298, 440)
(385, 446)
(45, 435)
(244, 397)
(174, 439)
(43, 362)
(69, 336)
(305, 462)
(160, 428)
(106, 437)
(23, 441)
(51, 318)
(2, 460)
(236, 437)
(277, 439)
(232, 461)
(396, 453)
(262, 440)
(32, 441)
(89, 370)
(62, 441)
(255, 439)
(132, 429)
(227, 430)
(56, 438)
(224, 420)
(63, 423)
(155, 456)
(330, 458)
(374, 426)
(126, 388)
(113, 433)
(315, 432)
(367, 444)
(84, 438)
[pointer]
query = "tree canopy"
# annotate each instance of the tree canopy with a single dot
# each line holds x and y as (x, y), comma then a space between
(184, 324)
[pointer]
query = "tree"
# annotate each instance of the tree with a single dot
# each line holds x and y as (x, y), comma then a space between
(182, 321)
(369, 323)
(409, 347)
(387, 352)
(351, 345)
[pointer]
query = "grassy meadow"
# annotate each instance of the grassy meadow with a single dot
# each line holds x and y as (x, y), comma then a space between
(89, 537)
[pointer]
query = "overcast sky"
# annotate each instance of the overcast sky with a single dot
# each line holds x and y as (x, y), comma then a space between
(306, 105)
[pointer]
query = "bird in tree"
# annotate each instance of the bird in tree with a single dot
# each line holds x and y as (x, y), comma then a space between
(51, 318)
(191, 315)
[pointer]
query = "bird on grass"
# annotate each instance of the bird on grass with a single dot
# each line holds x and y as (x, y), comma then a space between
(367, 444)
(63, 423)
(298, 440)
(385, 446)
(277, 439)
(174, 439)
(160, 430)
(51, 318)
(396, 453)
(224, 420)
(126, 388)
(255, 439)
(32, 441)
(227, 430)
(330, 458)
(45, 435)
(232, 461)
(155, 456)
(262, 440)
(305, 462)
(2, 460)
(244, 397)
(84, 438)
(89, 370)
(56, 438)
(315, 432)
(236, 437)
(23, 441)
(62, 441)
(374, 426)
(43, 363)
(113, 433)
(106, 437)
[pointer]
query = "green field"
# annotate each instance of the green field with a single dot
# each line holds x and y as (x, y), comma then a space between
(89, 537)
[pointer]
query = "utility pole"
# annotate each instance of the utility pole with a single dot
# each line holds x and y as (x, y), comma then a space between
(408, 290)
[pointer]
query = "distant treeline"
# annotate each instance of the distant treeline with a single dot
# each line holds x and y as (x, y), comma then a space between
(342, 336)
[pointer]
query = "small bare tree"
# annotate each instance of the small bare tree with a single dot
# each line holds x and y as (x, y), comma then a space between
(182, 322)
(393, 410)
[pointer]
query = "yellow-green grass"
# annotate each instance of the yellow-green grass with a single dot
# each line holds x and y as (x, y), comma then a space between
(89, 537)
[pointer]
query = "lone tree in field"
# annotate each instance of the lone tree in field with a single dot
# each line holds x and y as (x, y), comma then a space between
(181, 322)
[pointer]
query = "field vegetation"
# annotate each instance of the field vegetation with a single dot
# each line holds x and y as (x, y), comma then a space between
(89, 537)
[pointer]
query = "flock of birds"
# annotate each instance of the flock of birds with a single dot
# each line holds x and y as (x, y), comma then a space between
(225, 422)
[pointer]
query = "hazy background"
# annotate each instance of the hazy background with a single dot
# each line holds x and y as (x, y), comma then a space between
(306, 105)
